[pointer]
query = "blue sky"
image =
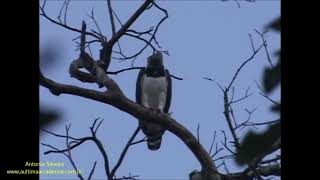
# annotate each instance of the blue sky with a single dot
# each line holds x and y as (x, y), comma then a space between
(204, 39)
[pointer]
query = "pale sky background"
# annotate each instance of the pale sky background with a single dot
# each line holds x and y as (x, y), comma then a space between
(204, 39)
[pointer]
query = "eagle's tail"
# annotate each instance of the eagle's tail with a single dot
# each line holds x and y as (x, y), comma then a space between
(153, 133)
(154, 142)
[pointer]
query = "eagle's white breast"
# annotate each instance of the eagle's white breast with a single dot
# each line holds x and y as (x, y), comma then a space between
(154, 92)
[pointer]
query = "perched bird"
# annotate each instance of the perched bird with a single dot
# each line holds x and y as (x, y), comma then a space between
(195, 175)
(153, 91)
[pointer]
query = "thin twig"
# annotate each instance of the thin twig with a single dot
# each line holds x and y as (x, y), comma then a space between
(214, 139)
(124, 151)
(114, 13)
(130, 21)
(92, 170)
(69, 152)
(43, 13)
(140, 141)
(111, 18)
(265, 47)
(175, 77)
(65, 11)
(96, 23)
(271, 160)
(266, 96)
(243, 64)
(71, 147)
(198, 136)
(122, 70)
(58, 135)
(210, 79)
(59, 16)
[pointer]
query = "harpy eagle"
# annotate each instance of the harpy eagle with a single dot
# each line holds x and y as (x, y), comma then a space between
(153, 91)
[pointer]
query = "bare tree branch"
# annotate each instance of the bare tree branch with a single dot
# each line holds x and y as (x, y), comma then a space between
(277, 158)
(57, 135)
(96, 23)
(242, 98)
(224, 157)
(78, 143)
(238, 3)
(43, 13)
(246, 123)
(135, 68)
(130, 21)
(198, 136)
(213, 141)
(266, 96)
(228, 109)
(210, 79)
(243, 64)
(121, 102)
(65, 12)
(271, 170)
(69, 152)
(141, 33)
(224, 143)
(152, 38)
(265, 47)
(115, 97)
(92, 170)
(115, 14)
(110, 10)
(124, 151)
(175, 77)
(63, 5)
(70, 147)
(140, 141)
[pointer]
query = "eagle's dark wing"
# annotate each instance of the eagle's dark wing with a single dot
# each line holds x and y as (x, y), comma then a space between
(138, 86)
(169, 92)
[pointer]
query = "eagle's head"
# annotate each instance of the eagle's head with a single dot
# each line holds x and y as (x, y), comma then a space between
(155, 61)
